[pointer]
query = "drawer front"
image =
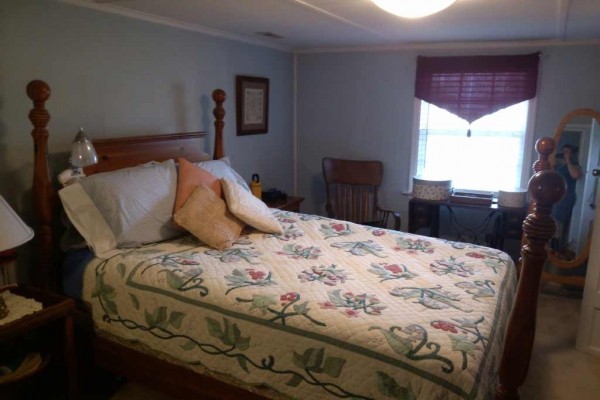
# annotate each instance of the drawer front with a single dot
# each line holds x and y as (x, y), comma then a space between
(420, 216)
(514, 221)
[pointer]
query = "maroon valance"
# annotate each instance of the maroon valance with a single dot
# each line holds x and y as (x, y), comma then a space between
(474, 86)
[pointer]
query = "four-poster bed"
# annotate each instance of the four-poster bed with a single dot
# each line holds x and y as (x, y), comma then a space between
(405, 347)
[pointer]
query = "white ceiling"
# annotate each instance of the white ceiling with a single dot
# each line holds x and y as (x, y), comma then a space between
(311, 25)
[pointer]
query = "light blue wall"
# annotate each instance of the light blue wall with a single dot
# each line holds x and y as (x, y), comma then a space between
(118, 76)
(360, 105)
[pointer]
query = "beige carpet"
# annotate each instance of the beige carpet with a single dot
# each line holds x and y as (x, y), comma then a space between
(557, 370)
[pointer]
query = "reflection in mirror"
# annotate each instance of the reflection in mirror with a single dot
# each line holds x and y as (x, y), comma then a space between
(577, 154)
(567, 163)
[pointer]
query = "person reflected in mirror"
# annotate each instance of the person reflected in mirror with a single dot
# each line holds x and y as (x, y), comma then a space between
(565, 163)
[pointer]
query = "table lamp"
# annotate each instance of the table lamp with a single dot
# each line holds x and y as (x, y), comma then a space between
(83, 152)
(13, 233)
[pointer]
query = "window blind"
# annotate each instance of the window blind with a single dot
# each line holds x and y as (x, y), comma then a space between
(474, 86)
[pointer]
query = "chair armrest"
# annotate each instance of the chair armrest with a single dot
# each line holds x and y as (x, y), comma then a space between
(395, 214)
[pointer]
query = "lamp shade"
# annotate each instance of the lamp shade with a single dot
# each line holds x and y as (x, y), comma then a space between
(83, 152)
(413, 8)
(13, 231)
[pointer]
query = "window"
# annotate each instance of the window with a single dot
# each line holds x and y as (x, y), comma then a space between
(492, 158)
(473, 114)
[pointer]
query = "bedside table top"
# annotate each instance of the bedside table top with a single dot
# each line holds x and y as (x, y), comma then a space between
(285, 203)
(18, 306)
(54, 306)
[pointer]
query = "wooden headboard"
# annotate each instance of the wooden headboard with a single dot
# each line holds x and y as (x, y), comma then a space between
(120, 153)
(112, 154)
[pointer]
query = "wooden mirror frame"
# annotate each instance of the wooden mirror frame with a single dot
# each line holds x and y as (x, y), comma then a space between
(585, 253)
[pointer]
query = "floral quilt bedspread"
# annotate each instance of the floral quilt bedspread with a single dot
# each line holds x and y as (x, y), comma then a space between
(329, 309)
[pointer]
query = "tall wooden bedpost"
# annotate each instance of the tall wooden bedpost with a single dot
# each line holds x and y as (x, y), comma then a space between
(219, 97)
(544, 147)
(44, 195)
(545, 189)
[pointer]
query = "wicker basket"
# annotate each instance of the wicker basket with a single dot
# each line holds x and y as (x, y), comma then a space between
(31, 364)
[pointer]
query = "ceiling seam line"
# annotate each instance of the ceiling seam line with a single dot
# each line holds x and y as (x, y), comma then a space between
(562, 18)
(336, 17)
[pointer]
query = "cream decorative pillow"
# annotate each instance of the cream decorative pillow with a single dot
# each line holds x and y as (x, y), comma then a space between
(205, 215)
(248, 208)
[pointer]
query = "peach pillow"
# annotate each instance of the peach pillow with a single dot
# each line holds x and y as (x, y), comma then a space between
(206, 216)
(190, 176)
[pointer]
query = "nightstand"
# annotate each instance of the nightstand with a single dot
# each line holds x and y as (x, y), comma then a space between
(292, 203)
(56, 309)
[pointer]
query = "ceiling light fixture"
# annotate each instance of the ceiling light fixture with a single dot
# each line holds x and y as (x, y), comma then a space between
(413, 8)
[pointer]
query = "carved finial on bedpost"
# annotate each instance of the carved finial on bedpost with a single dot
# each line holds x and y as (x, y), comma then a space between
(219, 97)
(544, 146)
(44, 195)
(545, 188)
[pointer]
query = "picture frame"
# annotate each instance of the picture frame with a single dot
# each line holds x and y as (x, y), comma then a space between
(252, 105)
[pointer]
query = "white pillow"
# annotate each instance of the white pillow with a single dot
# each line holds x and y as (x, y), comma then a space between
(221, 168)
(86, 218)
(137, 202)
(249, 208)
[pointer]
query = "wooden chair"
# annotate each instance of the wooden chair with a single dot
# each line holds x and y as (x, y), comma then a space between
(352, 192)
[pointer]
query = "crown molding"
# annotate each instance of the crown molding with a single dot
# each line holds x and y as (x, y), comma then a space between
(516, 44)
(114, 9)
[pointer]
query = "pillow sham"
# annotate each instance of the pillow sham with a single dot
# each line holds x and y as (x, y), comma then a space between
(205, 215)
(221, 168)
(249, 208)
(88, 221)
(189, 176)
(137, 202)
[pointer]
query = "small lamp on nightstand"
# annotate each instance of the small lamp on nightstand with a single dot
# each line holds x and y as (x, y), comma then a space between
(83, 154)
(13, 233)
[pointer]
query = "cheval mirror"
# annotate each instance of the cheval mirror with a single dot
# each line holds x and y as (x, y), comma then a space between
(577, 158)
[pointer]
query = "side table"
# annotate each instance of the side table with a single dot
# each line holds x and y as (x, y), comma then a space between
(507, 221)
(54, 308)
(292, 203)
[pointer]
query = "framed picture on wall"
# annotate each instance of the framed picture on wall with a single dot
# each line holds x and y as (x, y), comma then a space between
(252, 105)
